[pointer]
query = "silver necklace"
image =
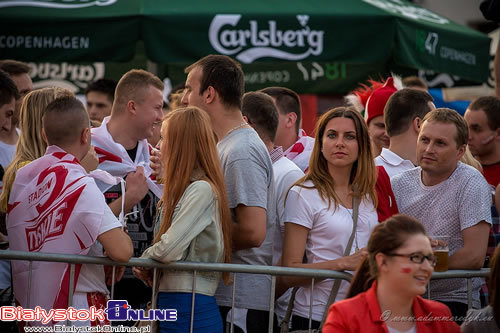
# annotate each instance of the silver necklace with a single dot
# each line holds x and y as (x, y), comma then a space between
(237, 127)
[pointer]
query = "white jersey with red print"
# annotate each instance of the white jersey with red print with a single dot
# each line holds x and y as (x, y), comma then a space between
(54, 206)
(114, 159)
(300, 152)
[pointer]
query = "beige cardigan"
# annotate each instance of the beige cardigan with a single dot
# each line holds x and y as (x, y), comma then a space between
(195, 235)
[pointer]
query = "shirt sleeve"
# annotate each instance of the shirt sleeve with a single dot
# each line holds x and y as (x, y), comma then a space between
(475, 202)
(109, 221)
(247, 183)
(298, 209)
(194, 215)
(288, 180)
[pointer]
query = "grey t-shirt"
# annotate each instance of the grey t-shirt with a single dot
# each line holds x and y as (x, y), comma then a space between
(248, 174)
(460, 202)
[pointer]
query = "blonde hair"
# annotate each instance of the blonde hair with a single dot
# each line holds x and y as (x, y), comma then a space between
(363, 173)
(191, 147)
(30, 145)
(132, 86)
(467, 158)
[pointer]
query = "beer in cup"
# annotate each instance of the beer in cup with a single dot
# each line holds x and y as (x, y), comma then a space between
(440, 249)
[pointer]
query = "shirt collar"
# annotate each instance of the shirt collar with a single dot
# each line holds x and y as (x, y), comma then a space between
(276, 153)
(392, 158)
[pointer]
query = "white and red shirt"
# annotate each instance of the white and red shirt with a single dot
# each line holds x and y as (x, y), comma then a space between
(56, 207)
(300, 152)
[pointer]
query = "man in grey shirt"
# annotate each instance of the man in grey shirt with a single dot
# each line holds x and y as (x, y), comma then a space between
(215, 84)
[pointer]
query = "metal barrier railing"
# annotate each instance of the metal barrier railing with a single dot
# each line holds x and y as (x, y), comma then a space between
(217, 267)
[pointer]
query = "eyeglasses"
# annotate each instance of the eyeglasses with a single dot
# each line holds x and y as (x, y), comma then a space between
(417, 258)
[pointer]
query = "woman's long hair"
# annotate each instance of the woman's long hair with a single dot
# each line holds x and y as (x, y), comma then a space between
(30, 145)
(191, 147)
(494, 285)
(363, 173)
(386, 238)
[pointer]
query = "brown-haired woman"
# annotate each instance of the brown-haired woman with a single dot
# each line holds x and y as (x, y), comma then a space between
(318, 213)
(384, 293)
(195, 220)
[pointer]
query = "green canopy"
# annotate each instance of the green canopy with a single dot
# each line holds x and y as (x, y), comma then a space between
(59, 30)
(358, 32)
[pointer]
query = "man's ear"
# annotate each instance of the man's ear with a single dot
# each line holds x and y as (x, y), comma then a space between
(461, 152)
(417, 124)
(44, 137)
(85, 135)
(209, 95)
(291, 119)
(245, 118)
(131, 107)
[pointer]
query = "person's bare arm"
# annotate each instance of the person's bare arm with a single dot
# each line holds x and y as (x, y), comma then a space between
(293, 254)
(117, 244)
(472, 254)
(250, 229)
(135, 189)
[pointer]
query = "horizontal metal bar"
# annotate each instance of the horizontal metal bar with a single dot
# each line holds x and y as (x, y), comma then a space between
(218, 267)
(185, 266)
(461, 273)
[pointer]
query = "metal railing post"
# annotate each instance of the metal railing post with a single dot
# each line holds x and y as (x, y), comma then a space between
(193, 296)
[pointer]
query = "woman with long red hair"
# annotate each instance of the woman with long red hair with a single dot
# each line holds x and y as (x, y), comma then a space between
(195, 221)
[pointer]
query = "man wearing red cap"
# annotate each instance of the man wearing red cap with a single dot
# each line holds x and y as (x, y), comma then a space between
(374, 115)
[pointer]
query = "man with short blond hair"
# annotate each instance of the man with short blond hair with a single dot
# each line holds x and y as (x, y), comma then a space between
(123, 150)
(450, 198)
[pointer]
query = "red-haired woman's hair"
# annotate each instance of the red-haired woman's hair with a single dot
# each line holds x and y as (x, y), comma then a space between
(191, 147)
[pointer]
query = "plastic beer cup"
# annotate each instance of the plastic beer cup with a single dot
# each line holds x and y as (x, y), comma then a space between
(441, 252)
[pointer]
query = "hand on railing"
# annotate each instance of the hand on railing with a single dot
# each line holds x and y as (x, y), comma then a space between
(144, 274)
(108, 273)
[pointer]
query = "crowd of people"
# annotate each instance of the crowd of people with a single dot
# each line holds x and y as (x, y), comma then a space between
(219, 175)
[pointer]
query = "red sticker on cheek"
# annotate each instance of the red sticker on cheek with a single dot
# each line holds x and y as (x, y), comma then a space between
(406, 270)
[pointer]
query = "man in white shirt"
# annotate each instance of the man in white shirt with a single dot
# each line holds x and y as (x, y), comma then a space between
(297, 146)
(403, 116)
(449, 198)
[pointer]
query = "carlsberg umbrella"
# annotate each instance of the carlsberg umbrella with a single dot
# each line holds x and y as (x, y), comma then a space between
(378, 32)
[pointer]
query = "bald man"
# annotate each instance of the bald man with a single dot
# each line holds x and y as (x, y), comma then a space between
(54, 194)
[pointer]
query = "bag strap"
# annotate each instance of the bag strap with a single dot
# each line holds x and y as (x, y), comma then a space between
(336, 284)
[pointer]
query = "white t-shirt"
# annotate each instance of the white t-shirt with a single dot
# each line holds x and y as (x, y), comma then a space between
(330, 230)
(448, 208)
(392, 162)
(286, 173)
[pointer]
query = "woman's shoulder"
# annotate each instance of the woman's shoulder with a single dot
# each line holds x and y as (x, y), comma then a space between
(357, 302)
(200, 187)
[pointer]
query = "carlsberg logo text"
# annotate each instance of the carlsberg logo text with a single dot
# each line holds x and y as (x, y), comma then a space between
(265, 40)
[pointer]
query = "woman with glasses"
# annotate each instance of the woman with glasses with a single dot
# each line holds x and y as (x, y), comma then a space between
(385, 292)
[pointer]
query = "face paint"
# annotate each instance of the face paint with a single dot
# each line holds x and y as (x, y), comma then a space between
(406, 270)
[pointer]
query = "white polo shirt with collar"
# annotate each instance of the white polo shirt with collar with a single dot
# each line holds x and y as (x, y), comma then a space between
(392, 163)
